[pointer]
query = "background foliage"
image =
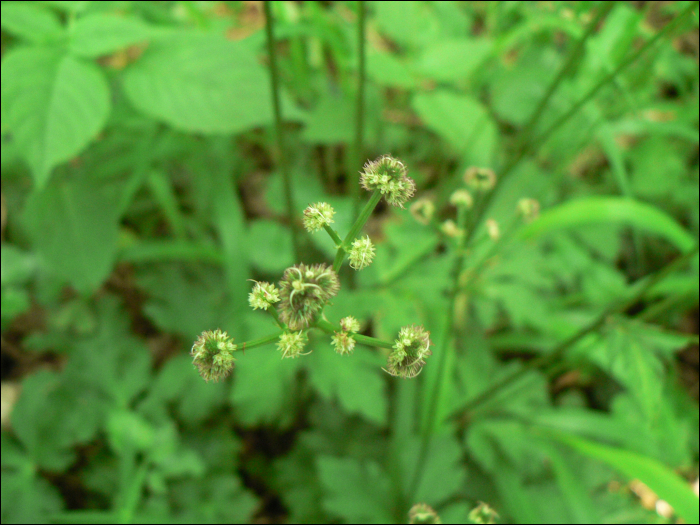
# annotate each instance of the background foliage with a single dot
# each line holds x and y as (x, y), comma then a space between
(141, 191)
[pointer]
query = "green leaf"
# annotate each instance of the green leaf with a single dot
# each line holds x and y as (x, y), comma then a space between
(53, 104)
(357, 491)
(201, 83)
(460, 120)
(665, 483)
(273, 251)
(98, 34)
(331, 121)
(610, 210)
(355, 381)
(16, 266)
(452, 60)
(30, 20)
(73, 223)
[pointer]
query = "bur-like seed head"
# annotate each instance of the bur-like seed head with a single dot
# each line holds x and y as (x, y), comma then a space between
(350, 324)
(480, 179)
(361, 253)
(263, 295)
(292, 344)
(304, 291)
(482, 513)
(318, 216)
(529, 209)
(423, 514)
(423, 210)
(411, 349)
(343, 343)
(462, 199)
(388, 175)
(212, 354)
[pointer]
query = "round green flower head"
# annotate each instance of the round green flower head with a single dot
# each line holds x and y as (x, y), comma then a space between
(291, 344)
(304, 291)
(349, 324)
(263, 295)
(410, 352)
(388, 175)
(343, 343)
(423, 513)
(317, 216)
(212, 354)
(361, 253)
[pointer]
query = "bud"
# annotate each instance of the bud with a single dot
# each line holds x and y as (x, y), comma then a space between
(388, 175)
(212, 354)
(422, 513)
(361, 253)
(343, 343)
(291, 344)
(410, 352)
(482, 513)
(263, 295)
(423, 210)
(450, 229)
(529, 209)
(480, 179)
(493, 229)
(318, 216)
(350, 324)
(304, 291)
(462, 198)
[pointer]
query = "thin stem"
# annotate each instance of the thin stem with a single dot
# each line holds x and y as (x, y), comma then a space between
(560, 350)
(334, 235)
(281, 157)
(259, 342)
(359, 114)
(359, 223)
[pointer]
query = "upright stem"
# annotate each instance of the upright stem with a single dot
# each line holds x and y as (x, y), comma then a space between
(359, 223)
(359, 114)
(281, 157)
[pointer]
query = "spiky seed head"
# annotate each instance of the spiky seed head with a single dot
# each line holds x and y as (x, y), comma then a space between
(349, 324)
(361, 253)
(482, 513)
(291, 344)
(304, 291)
(263, 295)
(388, 175)
(343, 343)
(421, 513)
(480, 179)
(411, 349)
(317, 216)
(212, 354)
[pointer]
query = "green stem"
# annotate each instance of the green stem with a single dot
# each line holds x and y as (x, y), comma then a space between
(462, 413)
(359, 223)
(281, 157)
(359, 114)
(273, 312)
(259, 342)
(334, 235)
(330, 328)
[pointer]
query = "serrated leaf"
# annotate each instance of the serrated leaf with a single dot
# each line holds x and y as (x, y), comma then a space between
(202, 83)
(53, 104)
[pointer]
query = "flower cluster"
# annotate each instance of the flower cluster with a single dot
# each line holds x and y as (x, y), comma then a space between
(343, 341)
(291, 344)
(423, 513)
(410, 352)
(361, 253)
(388, 175)
(304, 291)
(212, 354)
(263, 295)
(317, 216)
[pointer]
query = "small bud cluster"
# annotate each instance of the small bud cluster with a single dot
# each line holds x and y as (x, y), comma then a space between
(480, 179)
(410, 352)
(388, 175)
(529, 209)
(423, 514)
(304, 291)
(482, 513)
(493, 229)
(462, 198)
(317, 216)
(212, 354)
(342, 341)
(423, 211)
(263, 295)
(361, 253)
(291, 344)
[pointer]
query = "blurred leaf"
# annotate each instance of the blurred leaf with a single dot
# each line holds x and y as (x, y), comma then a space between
(30, 21)
(16, 265)
(201, 83)
(658, 477)
(99, 34)
(452, 60)
(273, 246)
(54, 105)
(331, 121)
(388, 70)
(212, 499)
